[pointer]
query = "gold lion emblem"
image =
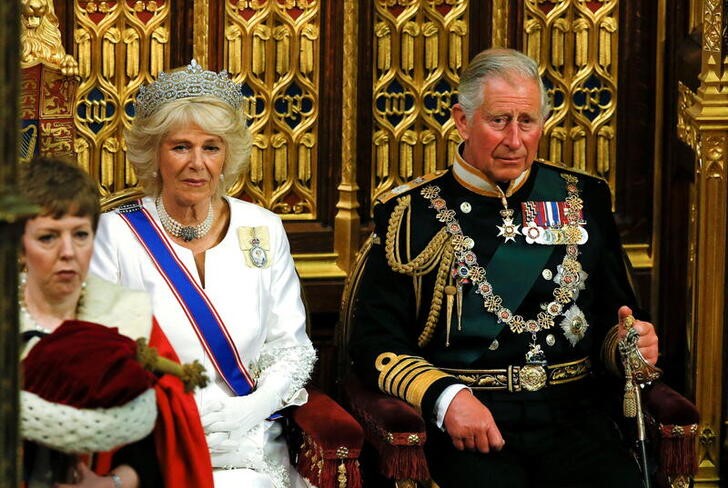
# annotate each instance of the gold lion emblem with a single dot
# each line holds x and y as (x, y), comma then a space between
(40, 38)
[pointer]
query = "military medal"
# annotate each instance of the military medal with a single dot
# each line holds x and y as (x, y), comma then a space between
(508, 230)
(255, 243)
(553, 223)
(570, 280)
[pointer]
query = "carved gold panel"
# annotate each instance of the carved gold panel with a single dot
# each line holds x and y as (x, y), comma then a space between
(420, 47)
(703, 125)
(273, 49)
(575, 43)
(119, 45)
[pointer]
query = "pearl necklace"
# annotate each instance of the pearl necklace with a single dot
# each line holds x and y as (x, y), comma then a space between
(184, 232)
(22, 306)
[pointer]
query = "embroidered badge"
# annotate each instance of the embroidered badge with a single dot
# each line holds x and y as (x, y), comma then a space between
(572, 277)
(255, 244)
(574, 324)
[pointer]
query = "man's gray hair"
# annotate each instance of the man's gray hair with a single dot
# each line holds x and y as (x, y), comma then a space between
(501, 64)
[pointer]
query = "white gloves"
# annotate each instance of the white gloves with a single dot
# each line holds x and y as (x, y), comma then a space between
(228, 423)
(239, 414)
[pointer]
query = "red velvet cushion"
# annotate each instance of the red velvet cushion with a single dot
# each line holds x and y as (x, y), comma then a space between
(329, 425)
(668, 407)
(387, 413)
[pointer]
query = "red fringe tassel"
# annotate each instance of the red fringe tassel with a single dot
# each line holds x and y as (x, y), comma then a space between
(678, 456)
(402, 462)
(333, 472)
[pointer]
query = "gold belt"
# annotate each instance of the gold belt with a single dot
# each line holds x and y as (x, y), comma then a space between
(529, 377)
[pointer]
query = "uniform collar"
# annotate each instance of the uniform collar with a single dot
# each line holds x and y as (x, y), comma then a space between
(477, 182)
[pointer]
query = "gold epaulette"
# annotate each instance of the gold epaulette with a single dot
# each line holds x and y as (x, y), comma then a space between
(410, 185)
(406, 377)
(564, 167)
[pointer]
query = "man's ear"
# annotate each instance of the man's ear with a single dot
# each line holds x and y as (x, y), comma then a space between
(461, 121)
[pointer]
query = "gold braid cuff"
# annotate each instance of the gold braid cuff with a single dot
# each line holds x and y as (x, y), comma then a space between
(610, 351)
(406, 377)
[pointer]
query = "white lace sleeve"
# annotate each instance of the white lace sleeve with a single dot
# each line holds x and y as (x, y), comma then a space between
(289, 366)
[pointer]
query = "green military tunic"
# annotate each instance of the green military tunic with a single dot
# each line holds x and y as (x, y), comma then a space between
(452, 286)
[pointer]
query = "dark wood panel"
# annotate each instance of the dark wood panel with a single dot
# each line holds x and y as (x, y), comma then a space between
(181, 34)
(635, 120)
(365, 116)
(330, 119)
(682, 62)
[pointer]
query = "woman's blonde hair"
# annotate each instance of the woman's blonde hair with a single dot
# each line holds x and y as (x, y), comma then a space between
(211, 115)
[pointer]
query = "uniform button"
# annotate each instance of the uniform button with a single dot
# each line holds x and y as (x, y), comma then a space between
(550, 340)
(465, 207)
(547, 274)
(494, 345)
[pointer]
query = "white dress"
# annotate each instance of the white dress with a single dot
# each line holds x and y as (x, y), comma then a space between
(261, 308)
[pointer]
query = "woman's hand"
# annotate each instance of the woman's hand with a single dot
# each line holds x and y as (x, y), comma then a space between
(88, 479)
(239, 413)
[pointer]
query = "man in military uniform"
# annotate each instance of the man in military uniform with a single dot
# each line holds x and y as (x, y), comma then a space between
(492, 295)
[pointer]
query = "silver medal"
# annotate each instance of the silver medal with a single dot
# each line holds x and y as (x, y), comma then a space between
(257, 254)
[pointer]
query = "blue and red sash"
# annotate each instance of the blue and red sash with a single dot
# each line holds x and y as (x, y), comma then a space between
(205, 320)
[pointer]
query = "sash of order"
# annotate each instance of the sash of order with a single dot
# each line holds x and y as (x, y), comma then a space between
(205, 320)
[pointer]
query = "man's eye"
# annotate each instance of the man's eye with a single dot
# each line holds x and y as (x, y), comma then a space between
(499, 123)
(527, 124)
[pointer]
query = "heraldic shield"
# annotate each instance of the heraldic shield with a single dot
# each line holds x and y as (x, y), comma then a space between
(46, 107)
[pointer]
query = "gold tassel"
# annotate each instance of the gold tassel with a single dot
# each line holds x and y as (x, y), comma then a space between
(192, 374)
(460, 306)
(630, 401)
(450, 292)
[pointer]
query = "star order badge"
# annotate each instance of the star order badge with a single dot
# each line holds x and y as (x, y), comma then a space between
(574, 325)
(508, 230)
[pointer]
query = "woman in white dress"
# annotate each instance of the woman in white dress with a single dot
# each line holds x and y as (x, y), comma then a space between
(223, 283)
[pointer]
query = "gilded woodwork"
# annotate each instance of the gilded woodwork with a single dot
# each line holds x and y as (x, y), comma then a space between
(201, 32)
(703, 125)
(500, 23)
(273, 49)
(48, 84)
(346, 222)
(119, 46)
(420, 47)
(575, 43)
(40, 38)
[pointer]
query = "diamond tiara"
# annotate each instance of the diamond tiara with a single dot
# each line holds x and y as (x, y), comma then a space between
(192, 81)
